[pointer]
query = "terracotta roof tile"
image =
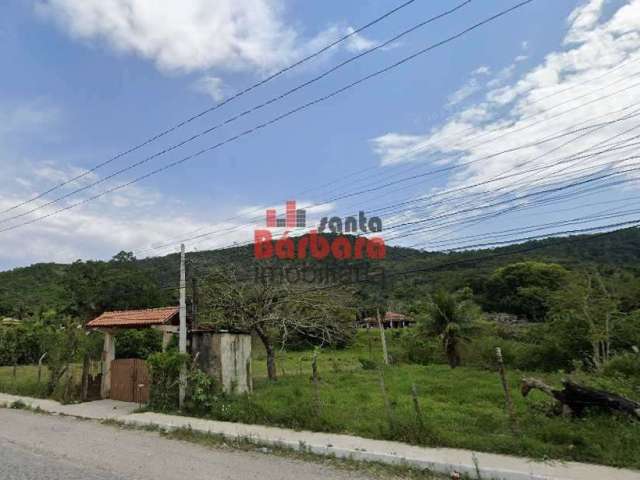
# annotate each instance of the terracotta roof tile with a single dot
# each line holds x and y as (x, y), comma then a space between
(135, 318)
(388, 316)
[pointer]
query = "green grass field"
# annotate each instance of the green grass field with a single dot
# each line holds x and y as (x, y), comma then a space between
(459, 408)
(25, 381)
(462, 408)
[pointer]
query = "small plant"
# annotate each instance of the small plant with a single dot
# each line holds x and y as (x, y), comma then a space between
(368, 364)
(202, 393)
(19, 405)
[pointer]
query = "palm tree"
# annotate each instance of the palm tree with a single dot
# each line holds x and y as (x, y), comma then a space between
(447, 313)
(451, 339)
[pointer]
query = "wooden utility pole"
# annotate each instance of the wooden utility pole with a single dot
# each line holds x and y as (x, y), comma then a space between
(383, 338)
(182, 339)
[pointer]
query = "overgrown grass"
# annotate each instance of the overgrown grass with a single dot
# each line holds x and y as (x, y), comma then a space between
(25, 382)
(459, 408)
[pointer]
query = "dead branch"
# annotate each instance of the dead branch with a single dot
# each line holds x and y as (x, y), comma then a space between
(577, 398)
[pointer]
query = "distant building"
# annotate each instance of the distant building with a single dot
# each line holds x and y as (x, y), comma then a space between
(10, 321)
(391, 320)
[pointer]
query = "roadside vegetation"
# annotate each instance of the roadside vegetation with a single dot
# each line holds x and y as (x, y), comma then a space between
(439, 383)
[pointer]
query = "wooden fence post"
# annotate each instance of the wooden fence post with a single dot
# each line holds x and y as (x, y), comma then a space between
(507, 393)
(383, 339)
(40, 367)
(416, 407)
(387, 403)
(84, 392)
(315, 378)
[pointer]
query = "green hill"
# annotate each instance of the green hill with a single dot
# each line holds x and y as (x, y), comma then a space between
(129, 283)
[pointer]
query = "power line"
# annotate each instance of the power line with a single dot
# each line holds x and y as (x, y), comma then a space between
(282, 116)
(217, 106)
(469, 130)
(552, 241)
(236, 117)
(457, 166)
(589, 129)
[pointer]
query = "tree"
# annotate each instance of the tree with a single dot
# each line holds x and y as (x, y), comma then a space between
(446, 314)
(524, 288)
(274, 313)
(586, 300)
(64, 345)
(95, 287)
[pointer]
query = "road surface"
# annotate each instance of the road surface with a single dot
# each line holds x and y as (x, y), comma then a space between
(42, 447)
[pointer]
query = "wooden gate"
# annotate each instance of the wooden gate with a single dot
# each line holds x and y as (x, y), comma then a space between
(129, 380)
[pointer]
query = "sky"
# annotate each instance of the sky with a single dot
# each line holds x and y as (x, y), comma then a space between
(475, 141)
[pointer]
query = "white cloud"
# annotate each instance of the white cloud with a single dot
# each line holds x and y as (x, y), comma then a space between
(128, 219)
(482, 70)
(195, 35)
(135, 219)
(464, 92)
(473, 85)
(211, 86)
(574, 76)
(187, 36)
(357, 42)
(24, 118)
(503, 75)
(583, 20)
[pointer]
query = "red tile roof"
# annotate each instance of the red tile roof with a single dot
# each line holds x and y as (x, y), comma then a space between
(135, 318)
(390, 316)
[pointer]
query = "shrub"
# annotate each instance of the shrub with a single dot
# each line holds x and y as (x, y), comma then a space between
(420, 350)
(625, 365)
(165, 377)
(625, 332)
(202, 392)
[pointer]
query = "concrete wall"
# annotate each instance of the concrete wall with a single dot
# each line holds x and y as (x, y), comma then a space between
(226, 357)
(108, 356)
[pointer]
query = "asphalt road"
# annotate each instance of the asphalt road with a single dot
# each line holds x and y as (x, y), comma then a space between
(42, 447)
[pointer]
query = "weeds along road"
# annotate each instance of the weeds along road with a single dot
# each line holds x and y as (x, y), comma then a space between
(42, 447)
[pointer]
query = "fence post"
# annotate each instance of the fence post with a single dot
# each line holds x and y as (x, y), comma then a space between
(387, 403)
(84, 393)
(383, 338)
(507, 393)
(418, 410)
(316, 381)
(40, 367)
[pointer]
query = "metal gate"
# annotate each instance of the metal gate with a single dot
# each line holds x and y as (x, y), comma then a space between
(129, 380)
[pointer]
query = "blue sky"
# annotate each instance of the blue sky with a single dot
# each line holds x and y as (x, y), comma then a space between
(86, 79)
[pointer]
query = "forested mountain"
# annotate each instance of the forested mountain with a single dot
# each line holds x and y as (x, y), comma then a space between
(85, 288)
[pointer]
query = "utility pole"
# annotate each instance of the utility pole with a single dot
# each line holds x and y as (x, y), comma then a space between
(194, 301)
(182, 339)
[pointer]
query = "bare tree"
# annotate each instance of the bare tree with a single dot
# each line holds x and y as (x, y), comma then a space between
(273, 312)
